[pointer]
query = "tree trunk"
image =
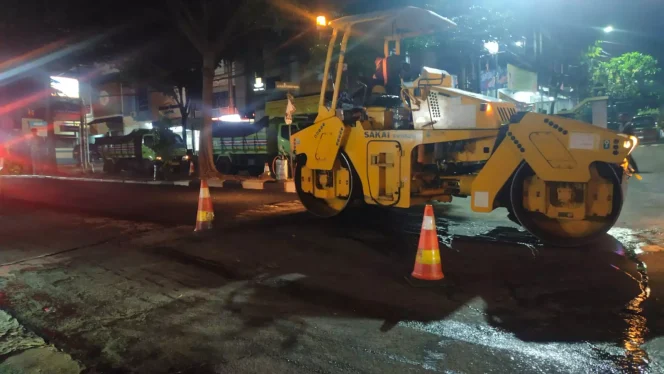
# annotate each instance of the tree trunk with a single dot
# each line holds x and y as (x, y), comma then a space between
(552, 108)
(49, 160)
(556, 91)
(185, 116)
(207, 168)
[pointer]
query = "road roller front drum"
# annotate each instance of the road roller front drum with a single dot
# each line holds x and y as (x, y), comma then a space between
(566, 214)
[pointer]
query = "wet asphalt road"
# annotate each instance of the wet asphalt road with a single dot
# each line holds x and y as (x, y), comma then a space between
(304, 297)
(510, 305)
(171, 205)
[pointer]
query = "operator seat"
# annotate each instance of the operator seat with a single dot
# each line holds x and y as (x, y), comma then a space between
(394, 64)
(387, 69)
(378, 90)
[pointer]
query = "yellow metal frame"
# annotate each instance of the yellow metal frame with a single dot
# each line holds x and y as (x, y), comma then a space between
(558, 149)
(303, 105)
(569, 165)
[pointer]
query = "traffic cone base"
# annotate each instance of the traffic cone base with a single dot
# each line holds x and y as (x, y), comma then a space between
(418, 283)
(267, 174)
(428, 266)
(205, 214)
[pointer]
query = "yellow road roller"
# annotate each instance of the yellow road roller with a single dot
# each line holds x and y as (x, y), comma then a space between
(416, 139)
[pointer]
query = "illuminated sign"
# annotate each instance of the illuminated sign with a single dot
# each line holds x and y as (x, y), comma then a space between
(65, 87)
(287, 86)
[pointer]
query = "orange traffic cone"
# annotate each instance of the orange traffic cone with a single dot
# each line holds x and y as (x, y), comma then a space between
(267, 174)
(205, 214)
(427, 262)
(192, 170)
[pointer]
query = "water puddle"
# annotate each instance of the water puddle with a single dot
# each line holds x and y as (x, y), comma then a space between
(633, 358)
(636, 358)
(448, 230)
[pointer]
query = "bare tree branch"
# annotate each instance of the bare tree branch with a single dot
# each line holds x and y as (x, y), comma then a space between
(186, 106)
(193, 22)
(222, 41)
(197, 39)
(178, 95)
(206, 15)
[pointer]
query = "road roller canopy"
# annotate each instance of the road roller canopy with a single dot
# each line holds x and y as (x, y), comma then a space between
(409, 21)
(386, 27)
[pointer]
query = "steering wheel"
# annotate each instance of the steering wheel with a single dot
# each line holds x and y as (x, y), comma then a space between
(344, 98)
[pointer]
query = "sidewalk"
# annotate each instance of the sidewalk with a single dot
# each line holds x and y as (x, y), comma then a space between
(25, 352)
(29, 349)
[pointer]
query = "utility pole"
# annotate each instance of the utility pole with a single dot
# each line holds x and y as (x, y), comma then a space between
(497, 75)
(50, 160)
(83, 130)
(231, 101)
(85, 143)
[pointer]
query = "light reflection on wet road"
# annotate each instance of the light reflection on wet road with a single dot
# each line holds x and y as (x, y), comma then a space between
(576, 357)
(636, 359)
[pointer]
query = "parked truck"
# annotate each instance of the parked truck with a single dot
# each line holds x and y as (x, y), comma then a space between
(141, 150)
(243, 146)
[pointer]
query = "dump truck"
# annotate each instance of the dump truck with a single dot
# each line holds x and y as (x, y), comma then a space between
(248, 146)
(141, 150)
(561, 179)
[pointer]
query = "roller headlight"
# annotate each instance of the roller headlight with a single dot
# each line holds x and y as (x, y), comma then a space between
(633, 140)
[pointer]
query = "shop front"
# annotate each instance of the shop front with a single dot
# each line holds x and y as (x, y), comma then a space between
(66, 114)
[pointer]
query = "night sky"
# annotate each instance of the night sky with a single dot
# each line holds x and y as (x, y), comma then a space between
(577, 23)
(574, 24)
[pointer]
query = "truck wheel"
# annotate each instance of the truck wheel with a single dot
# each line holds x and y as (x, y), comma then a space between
(118, 167)
(166, 171)
(225, 166)
(109, 167)
(15, 169)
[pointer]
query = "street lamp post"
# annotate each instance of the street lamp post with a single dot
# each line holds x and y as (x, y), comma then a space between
(321, 25)
(493, 48)
(321, 22)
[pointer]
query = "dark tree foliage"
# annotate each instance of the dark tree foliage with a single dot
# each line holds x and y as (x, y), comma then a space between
(164, 44)
(228, 30)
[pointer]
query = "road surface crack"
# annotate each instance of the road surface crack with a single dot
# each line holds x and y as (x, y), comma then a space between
(51, 254)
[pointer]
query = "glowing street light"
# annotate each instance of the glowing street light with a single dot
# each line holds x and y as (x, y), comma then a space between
(519, 43)
(321, 26)
(608, 29)
(259, 85)
(493, 47)
(231, 118)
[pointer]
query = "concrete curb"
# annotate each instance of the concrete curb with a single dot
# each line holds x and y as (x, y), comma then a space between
(247, 184)
(99, 180)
